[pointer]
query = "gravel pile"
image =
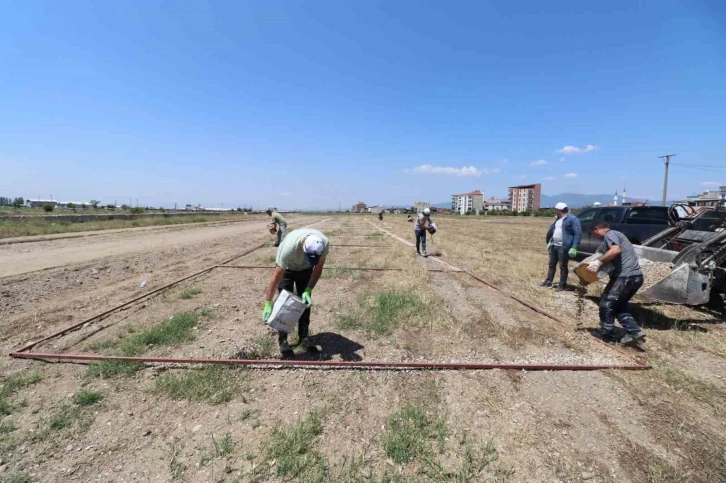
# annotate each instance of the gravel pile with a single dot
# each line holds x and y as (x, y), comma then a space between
(654, 272)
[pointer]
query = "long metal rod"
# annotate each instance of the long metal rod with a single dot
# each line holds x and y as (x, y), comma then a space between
(129, 302)
(334, 364)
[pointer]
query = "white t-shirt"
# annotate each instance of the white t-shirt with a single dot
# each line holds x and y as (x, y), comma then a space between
(557, 236)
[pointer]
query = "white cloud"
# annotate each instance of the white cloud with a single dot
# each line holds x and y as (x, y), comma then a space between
(576, 150)
(539, 162)
(491, 170)
(464, 171)
(571, 175)
(711, 183)
(549, 178)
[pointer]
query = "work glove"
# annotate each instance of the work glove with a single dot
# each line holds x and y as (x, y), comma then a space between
(549, 245)
(307, 297)
(266, 311)
(573, 252)
(594, 266)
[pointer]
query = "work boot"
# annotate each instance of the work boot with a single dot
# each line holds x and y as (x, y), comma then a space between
(546, 283)
(560, 288)
(309, 347)
(633, 339)
(285, 350)
(605, 336)
(424, 254)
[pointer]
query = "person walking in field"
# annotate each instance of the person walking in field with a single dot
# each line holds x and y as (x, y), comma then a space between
(419, 228)
(563, 238)
(299, 264)
(626, 278)
(279, 223)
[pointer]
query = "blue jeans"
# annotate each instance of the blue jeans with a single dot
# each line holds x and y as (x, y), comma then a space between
(558, 256)
(614, 304)
(420, 240)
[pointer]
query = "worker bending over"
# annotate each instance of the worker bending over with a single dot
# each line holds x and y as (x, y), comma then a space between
(419, 228)
(279, 223)
(299, 264)
(625, 280)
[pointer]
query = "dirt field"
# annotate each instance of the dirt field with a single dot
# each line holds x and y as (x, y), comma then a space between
(124, 422)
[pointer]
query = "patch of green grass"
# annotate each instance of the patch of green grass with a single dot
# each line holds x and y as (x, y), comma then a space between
(268, 260)
(6, 427)
(87, 398)
(409, 434)
(104, 369)
(189, 293)
(174, 331)
(19, 477)
(384, 313)
(293, 449)
(213, 384)
(64, 418)
(262, 347)
(103, 346)
(13, 384)
(176, 467)
(224, 447)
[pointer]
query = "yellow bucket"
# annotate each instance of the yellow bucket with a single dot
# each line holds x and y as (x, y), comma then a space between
(585, 275)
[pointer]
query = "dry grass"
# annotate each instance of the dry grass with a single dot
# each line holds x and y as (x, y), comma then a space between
(45, 226)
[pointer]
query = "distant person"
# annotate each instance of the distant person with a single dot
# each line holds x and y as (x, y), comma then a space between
(409, 219)
(380, 216)
(563, 238)
(419, 228)
(299, 264)
(626, 278)
(279, 224)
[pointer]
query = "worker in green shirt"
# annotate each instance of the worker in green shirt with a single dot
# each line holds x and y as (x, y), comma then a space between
(279, 223)
(299, 264)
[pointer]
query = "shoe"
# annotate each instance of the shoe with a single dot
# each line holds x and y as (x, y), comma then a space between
(633, 339)
(545, 284)
(560, 288)
(309, 347)
(425, 255)
(605, 336)
(276, 245)
(285, 350)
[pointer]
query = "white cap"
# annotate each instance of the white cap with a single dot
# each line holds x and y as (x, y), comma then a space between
(426, 211)
(313, 245)
(561, 206)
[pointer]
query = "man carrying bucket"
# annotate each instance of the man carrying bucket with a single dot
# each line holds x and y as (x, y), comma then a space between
(278, 223)
(626, 278)
(299, 264)
(419, 228)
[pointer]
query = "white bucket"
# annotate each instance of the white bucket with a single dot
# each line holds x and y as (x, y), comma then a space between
(286, 312)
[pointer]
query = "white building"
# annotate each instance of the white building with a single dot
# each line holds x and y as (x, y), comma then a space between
(464, 203)
(421, 205)
(495, 204)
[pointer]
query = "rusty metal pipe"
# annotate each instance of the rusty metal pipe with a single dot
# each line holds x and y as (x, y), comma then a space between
(335, 364)
(129, 302)
(359, 269)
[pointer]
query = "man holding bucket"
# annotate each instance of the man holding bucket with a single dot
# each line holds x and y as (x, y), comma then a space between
(563, 238)
(279, 224)
(626, 277)
(299, 264)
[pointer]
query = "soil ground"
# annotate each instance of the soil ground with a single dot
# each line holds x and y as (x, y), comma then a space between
(74, 422)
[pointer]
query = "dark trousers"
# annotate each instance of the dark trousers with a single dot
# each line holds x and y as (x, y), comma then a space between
(558, 255)
(296, 282)
(614, 304)
(420, 240)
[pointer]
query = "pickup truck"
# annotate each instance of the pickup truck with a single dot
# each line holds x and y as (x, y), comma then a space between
(638, 223)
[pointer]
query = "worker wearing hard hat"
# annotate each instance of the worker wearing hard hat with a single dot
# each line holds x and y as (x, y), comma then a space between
(279, 224)
(626, 278)
(299, 264)
(419, 227)
(563, 238)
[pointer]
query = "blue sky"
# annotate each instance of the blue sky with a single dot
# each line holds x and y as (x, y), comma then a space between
(310, 104)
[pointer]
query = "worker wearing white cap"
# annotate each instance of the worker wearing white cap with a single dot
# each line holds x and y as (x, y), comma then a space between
(422, 223)
(299, 264)
(563, 238)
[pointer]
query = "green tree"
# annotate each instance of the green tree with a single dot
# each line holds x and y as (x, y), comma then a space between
(71, 206)
(95, 203)
(48, 208)
(18, 202)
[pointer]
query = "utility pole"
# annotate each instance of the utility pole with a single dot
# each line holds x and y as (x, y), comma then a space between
(667, 160)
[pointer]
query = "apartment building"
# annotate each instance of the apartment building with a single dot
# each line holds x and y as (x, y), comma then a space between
(525, 197)
(467, 202)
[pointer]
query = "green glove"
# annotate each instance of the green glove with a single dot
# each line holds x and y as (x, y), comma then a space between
(307, 297)
(266, 311)
(549, 245)
(573, 252)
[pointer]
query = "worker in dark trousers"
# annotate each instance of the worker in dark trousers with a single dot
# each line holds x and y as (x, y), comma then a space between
(563, 238)
(419, 228)
(299, 264)
(279, 223)
(626, 278)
